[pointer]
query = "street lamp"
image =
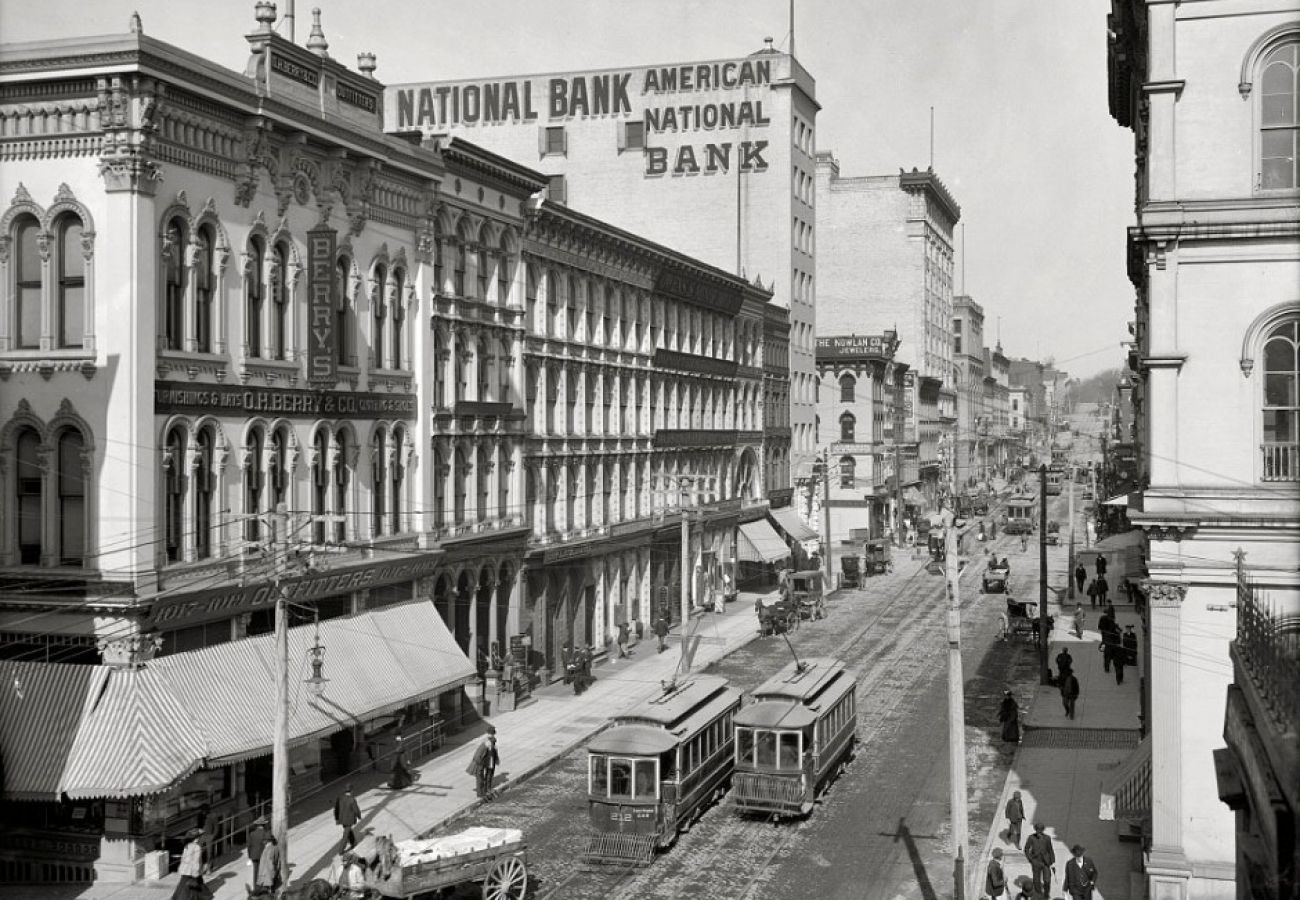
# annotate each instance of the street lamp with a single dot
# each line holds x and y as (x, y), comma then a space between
(317, 681)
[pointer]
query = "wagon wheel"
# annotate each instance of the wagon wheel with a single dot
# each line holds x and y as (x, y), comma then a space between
(508, 880)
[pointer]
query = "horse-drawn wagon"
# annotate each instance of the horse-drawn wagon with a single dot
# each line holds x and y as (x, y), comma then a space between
(404, 870)
(1021, 620)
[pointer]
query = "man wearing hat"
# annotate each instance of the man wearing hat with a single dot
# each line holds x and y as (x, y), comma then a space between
(995, 881)
(484, 764)
(1080, 874)
(268, 873)
(347, 813)
(1015, 817)
(256, 841)
(1041, 857)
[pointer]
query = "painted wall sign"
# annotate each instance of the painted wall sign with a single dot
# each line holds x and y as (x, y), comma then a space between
(855, 346)
(224, 399)
(284, 66)
(322, 359)
(724, 96)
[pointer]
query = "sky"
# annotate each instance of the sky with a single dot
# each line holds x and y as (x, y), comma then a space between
(1022, 136)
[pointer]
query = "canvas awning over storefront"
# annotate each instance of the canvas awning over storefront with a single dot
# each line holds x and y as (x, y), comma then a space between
(1126, 793)
(788, 521)
(760, 543)
(101, 731)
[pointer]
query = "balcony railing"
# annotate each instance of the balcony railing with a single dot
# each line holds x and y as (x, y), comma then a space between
(1281, 461)
(1268, 645)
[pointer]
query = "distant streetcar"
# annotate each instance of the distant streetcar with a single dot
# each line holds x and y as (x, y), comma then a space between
(657, 767)
(794, 738)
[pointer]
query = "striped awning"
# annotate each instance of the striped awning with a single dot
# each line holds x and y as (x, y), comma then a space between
(760, 543)
(41, 707)
(135, 740)
(788, 521)
(1126, 793)
(376, 662)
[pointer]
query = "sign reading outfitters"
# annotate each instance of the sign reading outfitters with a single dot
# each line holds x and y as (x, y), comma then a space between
(724, 97)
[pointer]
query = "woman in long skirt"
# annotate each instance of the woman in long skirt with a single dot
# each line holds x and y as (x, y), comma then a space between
(191, 886)
(1009, 716)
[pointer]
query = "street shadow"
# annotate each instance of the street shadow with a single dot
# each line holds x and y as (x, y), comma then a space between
(904, 834)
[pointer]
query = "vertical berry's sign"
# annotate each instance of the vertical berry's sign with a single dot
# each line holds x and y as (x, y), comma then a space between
(322, 361)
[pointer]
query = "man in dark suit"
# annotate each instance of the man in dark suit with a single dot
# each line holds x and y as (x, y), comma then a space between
(1080, 875)
(347, 813)
(1041, 857)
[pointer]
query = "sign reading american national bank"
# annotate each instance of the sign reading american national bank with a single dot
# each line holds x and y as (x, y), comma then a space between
(219, 399)
(716, 96)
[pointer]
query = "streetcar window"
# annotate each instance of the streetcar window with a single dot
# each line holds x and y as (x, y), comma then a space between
(745, 746)
(645, 778)
(668, 765)
(620, 778)
(766, 755)
(599, 775)
(789, 750)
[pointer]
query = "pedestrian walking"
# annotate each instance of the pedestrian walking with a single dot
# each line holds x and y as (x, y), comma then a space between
(1101, 565)
(1130, 644)
(1069, 693)
(1078, 621)
(1041, 857)
(1024, 543)
(995, 880)
(1064, 662)
(1080, 576)
(1015, 818)
(402, 775)
(1080, 874)
(193, 867)
(1103, 588)
(622, 639)
(268, 873)
(1117, 658)
(484, 764)
(1009, 716)
(661, 632)
(257, 835)
(347, 813)
(1092, 594)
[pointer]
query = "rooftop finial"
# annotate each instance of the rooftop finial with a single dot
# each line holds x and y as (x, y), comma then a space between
(136, 26)
(316, 42)
(264, 11)
(366, 63)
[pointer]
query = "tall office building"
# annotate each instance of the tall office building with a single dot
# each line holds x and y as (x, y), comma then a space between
(714, 159)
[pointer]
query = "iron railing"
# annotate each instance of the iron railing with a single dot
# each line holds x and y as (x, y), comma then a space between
(1281, 461)
(1268, 645)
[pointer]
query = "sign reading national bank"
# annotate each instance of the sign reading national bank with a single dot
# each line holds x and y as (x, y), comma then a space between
(721, 97)
(224, 399)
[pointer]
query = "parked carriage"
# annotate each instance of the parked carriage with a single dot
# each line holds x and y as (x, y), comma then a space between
(807, 594)
(657, 768)
(403, 870)
(1021, 620)
(876, 554)
(776, 614)
(794, 738)
(996, 574)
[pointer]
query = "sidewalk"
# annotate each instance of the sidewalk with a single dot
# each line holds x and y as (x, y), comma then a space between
(1061, 765)
(550, 725)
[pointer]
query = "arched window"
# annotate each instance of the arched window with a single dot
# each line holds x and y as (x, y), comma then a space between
(320, 480)
(503, 481)
(571, 305)
(342, 477)
(28, 283)
(379, 285)
(552, 306)
(438, 286)
(1282, 402)
(378, 480)
(254, 481)
(1279, 117)
(203, 283)
(460, 477)
(484, 272)
(280, 302)
(848, 388)
(505, 273)
(503, 372)
(174, 487)
(848, 466)
(530, 301)
(343, 313)
(482, 470)
(30, 496)
(278, 469)
(204, 485)
(396, 478)
(254, 297)
(70, 300)
(439, 372)
(458, 274)
(439, 488)
(399, 302)
(174, 289)
(72, 499)
(848, 428)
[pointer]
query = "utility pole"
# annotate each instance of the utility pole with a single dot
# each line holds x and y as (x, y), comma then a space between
(1069, 568)
(1092, 484)
(686, 564)
(1042, 573)
(826, 520)
(898, 492)
(280, 744)
(956, 712)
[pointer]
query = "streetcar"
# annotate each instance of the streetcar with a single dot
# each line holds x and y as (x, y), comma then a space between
(657, 767)
(1020, 515)
(794, 738)
(1055, 478)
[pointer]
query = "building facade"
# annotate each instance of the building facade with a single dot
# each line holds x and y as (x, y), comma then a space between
(661, 151)
(1210, 91)
(256, 354)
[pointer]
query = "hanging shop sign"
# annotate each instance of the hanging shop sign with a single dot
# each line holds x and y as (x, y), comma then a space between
(322, 359)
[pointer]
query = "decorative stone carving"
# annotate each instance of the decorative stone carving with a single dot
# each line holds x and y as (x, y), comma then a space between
(1162, 594)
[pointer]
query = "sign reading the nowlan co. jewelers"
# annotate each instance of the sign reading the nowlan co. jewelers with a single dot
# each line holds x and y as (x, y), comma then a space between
(227, 399)
(721, 101)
